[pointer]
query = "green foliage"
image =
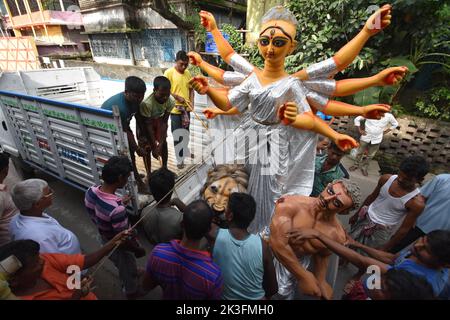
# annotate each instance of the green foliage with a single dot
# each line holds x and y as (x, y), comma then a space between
(368, 96)
(235, 37)
(253, 55)
(194, 70)
(435, 105)
(418, 36)
(199, 30)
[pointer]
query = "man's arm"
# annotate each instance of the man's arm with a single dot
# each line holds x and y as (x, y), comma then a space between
(371, 197)
(93, 258)
(382, 256)
(192, 97)
(270, 283)
(362, 262)
(414, 208)
(393, 121)
(357, 123)
(179, 204)
(148, 124)
(351, 255)
(211, 236)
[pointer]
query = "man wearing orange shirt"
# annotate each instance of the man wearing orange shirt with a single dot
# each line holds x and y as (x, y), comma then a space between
(46, 276)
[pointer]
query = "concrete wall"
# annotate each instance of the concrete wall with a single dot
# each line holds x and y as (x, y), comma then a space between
(106, 19)
(48, 51)
(158, 47)
(426, 137)
(118, 72)
(151, 47)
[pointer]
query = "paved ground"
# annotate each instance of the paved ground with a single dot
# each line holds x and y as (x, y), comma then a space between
(68, 209)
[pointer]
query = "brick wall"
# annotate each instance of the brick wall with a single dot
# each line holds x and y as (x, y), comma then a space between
(414, 135)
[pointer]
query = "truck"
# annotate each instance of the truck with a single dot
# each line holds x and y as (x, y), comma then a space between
(51, 121)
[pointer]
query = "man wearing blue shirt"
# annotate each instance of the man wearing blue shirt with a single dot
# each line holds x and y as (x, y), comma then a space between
(435, 215)
(128, 103)
(428, 257)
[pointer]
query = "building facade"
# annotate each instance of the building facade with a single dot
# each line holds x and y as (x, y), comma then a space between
(131, 33)
(55, 25)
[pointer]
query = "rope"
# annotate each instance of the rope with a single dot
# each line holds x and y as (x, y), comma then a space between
(188, 103)
(102, 262)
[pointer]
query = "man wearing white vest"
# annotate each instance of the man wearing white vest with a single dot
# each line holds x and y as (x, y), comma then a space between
(396, 200)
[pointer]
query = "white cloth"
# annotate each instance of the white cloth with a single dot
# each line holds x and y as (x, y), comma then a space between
(279, 158)
(388, 210)
(375, 128)
(7, 211)
(52, 237)
(287, 283)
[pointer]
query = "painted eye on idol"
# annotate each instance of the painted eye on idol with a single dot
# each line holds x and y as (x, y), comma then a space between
(264, 41)
(279, 42)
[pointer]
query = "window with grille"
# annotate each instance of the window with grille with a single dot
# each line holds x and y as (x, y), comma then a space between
(13, 8)
(34, 6)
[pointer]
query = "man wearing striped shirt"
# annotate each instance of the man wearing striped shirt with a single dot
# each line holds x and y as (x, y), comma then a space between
(109, 214)
(180, 267)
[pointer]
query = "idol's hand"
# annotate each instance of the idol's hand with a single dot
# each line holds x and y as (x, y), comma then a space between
(288, 112)
(199, 84)
(194, 58)
(345, 142)
(309, 285)
(379, 20)
(211, 113)
(375, 111)
(391, 76)
(326, 289)
(208, 20)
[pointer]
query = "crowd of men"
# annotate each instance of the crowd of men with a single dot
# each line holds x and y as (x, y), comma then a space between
(402, 227)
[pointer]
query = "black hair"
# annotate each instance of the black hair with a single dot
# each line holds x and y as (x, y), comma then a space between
(335, 147)
(116, 167)
(4, 160)
(243, 207)
(439, 244)
(182, 55)
(415, 167)
(197, 219)
(161, 183)
(23, 250)
(403, 285)
(161, 82)
(135, 84)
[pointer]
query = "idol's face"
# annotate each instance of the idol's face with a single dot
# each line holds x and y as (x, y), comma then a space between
(276, 40)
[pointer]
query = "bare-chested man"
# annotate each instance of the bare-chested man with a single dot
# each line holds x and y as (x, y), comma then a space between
(292, 212)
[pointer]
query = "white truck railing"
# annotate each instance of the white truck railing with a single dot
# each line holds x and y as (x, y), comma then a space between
(68, 141)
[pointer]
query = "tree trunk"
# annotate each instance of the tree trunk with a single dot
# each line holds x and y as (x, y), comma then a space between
(163, 8)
